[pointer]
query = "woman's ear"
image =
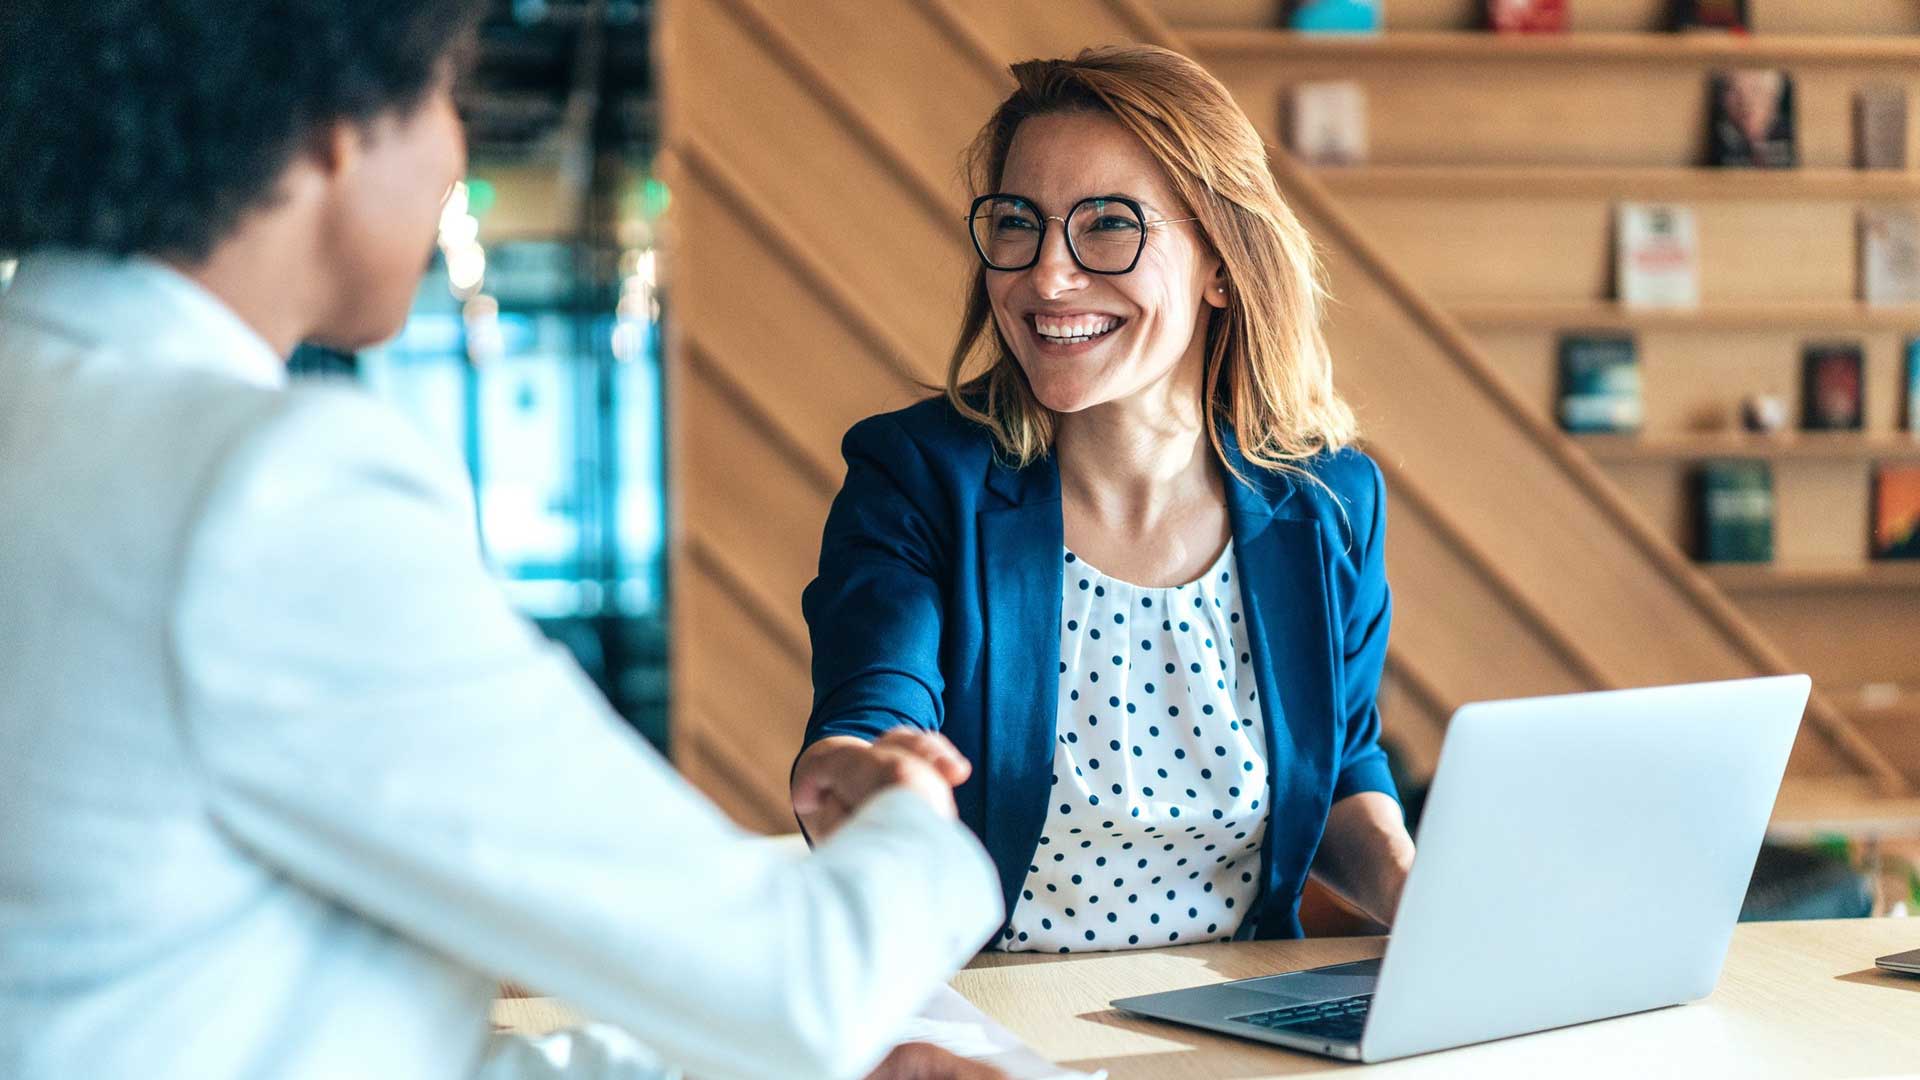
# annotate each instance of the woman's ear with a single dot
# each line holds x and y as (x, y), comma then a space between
(1216, 290)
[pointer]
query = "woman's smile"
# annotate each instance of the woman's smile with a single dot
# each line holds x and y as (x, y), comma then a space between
(1071, 333)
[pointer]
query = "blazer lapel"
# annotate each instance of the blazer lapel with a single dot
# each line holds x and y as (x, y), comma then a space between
(1283, 587)
(1021, 572)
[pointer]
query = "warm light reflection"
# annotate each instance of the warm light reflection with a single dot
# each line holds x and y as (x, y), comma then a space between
(460, 243)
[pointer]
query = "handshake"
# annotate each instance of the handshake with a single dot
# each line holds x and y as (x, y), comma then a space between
(834, 778)
(837, 775)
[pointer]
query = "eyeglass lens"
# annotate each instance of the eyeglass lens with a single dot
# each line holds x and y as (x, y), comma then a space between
(1104, 236)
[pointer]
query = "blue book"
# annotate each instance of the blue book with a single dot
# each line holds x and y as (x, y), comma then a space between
(1913, 386)
(1336, 16)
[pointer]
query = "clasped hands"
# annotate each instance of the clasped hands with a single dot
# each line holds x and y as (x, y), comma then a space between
(832, 780)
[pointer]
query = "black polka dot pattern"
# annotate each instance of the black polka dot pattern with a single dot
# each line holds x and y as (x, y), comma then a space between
(1159, 769)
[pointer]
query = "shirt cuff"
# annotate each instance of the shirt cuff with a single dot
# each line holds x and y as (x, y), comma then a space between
(1369, 773)
(962, 886)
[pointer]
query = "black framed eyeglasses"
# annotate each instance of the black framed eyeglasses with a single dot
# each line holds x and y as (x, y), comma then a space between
(1105, 233)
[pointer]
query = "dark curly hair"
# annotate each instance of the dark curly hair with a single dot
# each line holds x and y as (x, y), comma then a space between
(152, 126)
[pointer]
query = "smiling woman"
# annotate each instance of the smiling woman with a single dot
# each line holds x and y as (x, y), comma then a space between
(1155, 750)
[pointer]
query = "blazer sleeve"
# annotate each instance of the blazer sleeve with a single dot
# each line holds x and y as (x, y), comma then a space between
(1369, 614)
(874, 613)
(371, 719)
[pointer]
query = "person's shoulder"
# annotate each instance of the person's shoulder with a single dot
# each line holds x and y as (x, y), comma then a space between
(939, 433)
(325, 441)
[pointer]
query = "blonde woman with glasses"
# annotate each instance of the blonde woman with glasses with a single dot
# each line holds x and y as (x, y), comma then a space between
(1124, 582)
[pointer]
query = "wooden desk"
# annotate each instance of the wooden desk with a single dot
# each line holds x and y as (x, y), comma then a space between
(1796, 1000)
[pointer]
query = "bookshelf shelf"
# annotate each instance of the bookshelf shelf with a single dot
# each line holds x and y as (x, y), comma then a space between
(1506, 181)
(1787, 446)
(1786, 577)
(1840, 316)
(1479, 46)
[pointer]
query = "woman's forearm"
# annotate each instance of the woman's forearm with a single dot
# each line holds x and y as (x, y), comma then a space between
(1366, 853)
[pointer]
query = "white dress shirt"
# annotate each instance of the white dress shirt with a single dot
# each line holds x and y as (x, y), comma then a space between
(285, 786)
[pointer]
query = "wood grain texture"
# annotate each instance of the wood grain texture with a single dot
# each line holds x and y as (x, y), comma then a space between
(1800, 1000)
(816, 269)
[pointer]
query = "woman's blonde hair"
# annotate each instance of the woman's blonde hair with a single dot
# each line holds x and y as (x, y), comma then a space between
(1268, 374)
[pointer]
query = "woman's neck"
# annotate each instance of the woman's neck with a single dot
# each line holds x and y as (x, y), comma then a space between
(1130, 463)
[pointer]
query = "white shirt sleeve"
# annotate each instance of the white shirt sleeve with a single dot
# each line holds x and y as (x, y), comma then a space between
(372, 719)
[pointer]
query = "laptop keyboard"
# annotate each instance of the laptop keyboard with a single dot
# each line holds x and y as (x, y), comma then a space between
(1341, 1019)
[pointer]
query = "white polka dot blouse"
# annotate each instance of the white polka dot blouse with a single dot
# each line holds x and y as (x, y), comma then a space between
(1159, 769)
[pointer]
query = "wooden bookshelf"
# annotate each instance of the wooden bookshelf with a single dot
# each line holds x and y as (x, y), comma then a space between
(1819, 316)
(1787, 446)
(1480, 47)
(1646, 182)
(1784, 577)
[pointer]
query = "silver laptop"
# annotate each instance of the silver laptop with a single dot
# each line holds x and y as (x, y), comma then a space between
(1579, 857)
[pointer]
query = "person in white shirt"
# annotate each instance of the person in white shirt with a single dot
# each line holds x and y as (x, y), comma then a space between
(285, 786)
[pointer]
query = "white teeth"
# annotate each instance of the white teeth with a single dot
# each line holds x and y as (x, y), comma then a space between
(1075, 329)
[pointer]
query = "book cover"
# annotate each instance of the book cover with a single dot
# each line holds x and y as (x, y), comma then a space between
(1880, 126)
(1708, 15)
(1911, 414)
(1896, 512)
(1656, 255)
(1735, 511)
(1889, 256)
(1751, 119)
(1335, 16)
(1527, 16)
(1831, 387)
(1599, 384)
(1327, 122)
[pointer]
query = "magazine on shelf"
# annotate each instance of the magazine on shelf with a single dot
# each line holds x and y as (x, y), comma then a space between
(1656, 255)
(1751, 119)
(1526, 16)
(1911, 414)
(1335, 16)
(1599, 384)
(1880, 126)
(1327, 122)
(1896, 512)
(1889, 256)
(1831, 386)
(1735, 511)
(1708, 15)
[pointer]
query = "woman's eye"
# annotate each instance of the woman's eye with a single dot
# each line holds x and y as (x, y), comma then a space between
(1114, 223)
(1013, 223)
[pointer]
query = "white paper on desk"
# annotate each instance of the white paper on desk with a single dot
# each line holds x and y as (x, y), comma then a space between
(950, 1022)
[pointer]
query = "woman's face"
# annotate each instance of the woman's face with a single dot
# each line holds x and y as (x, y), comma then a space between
(1088, 339)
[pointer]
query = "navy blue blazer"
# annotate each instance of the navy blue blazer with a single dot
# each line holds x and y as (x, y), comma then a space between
(938, 606)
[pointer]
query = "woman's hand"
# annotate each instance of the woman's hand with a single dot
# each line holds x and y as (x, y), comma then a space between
(837, 775)
(925, 1061)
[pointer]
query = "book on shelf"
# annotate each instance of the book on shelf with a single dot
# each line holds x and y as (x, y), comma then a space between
(1708, 15)
(1831, 386)
(1880, 126)
(1526, 16)
(1751, 119)
(1334, 16)
(1599, 384)
(1327, 122)
(1896, 512)
(1735, 511)
(1910, 418)
(1889, 256)
(1656, 255)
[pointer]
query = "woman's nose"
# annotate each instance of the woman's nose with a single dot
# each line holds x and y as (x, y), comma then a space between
(1055, 273)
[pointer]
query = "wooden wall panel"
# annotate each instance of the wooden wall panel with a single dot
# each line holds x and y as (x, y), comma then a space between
(816, 272)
